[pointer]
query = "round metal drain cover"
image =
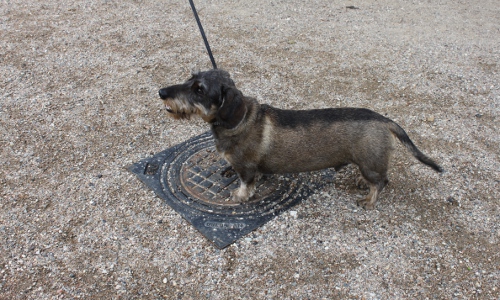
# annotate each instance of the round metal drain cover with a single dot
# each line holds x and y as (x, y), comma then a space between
(211, 179)
(195, 181)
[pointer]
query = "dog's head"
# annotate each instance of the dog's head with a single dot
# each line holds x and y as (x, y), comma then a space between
(201, 95)
(212, 95)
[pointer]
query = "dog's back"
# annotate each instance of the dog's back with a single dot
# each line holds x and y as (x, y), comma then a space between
(310, 140)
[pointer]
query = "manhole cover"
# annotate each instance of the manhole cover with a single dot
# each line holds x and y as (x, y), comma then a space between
(196, 182)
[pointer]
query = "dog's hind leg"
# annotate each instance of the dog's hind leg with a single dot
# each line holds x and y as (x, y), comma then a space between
(376, 182)
(361, 182)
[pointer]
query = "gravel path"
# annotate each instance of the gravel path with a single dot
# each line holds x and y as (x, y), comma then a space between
(78, 103)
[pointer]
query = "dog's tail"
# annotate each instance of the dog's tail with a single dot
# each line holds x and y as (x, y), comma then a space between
(405, 140)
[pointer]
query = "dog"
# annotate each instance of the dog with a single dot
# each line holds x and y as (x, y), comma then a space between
(260, 139)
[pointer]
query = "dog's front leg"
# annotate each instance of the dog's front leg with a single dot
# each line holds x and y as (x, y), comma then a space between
(247, 184)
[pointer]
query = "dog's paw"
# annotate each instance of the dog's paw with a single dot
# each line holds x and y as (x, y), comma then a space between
(366, 204)
(237, 199)
(242, 194)
(361, 182)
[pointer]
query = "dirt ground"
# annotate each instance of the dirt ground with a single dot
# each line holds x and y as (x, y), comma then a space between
(79, 103)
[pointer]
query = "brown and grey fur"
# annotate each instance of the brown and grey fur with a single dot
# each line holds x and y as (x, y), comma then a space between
(260, 139)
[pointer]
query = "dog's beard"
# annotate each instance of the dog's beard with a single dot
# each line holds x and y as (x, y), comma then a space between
(181, 111)
(179, 115)
(178, 110)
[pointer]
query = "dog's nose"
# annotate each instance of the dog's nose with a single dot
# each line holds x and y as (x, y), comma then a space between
(164, 93)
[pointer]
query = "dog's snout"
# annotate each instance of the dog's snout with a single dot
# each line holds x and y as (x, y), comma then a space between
(164, 93)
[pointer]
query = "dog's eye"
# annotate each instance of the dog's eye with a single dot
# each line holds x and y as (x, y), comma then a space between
(197, 88)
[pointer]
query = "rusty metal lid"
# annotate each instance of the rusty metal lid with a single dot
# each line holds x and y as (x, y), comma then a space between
(196, 182)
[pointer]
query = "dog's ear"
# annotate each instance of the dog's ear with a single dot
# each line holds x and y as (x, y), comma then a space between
(232, 109)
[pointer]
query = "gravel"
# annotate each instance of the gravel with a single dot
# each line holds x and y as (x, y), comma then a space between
(78, 103)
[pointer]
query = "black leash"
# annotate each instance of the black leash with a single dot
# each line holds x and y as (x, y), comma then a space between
(203, 34)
